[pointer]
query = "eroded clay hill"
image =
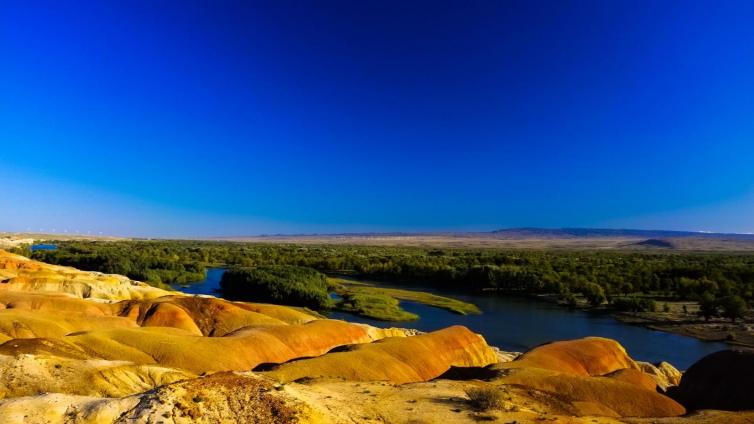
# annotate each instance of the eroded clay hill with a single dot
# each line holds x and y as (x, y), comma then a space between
(84, 347)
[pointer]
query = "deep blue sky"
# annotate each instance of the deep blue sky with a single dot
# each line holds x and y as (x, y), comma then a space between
(234, 118)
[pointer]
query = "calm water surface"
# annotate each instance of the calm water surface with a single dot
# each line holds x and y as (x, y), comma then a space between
(35, 247)
(518, 324)
(210, 285)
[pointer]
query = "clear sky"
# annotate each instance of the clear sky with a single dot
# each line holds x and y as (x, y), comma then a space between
(182, 118)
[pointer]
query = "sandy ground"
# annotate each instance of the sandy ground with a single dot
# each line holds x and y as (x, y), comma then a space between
(438, 401)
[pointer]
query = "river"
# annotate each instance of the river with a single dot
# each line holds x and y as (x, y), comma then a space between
(517, 324)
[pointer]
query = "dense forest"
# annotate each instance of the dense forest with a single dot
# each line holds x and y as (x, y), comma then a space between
(287, 284)
(623, 278)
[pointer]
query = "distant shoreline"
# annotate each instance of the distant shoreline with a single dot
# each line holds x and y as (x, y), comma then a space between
(716, 330)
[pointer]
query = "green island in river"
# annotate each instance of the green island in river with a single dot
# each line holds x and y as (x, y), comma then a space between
(383, 303)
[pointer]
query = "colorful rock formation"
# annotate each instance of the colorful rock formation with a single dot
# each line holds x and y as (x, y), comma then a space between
(85, 347)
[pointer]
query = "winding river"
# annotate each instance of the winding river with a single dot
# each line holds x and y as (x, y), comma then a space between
(518, 324)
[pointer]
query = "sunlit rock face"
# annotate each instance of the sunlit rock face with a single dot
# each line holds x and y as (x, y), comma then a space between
(664, 374)
(591, 356)
(21, 274)
(397, 360)
(595, 375)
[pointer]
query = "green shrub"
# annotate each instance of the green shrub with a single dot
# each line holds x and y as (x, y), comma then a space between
(22, 249)
(285, 284)
(375, 306)
(634, 304)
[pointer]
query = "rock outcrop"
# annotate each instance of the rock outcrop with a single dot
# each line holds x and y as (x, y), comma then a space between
(20, 274)
(220, 398)
(721, 380)
(664, 374)
(594, 375)
(397, 360)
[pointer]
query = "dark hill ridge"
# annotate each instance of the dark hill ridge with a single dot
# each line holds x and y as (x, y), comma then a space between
(656, 243)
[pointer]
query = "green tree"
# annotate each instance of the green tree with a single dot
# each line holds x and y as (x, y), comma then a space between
(734, 307)
(594, 294)
(708, 306)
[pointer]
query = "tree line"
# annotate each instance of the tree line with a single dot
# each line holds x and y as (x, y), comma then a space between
(623, 278)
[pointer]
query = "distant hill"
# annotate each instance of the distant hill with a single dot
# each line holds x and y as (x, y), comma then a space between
(532, 232)
(656, 243)
(508, 238)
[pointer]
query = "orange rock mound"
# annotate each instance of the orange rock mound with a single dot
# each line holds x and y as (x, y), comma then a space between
(589, 356)
(398, 360)
(595, 375)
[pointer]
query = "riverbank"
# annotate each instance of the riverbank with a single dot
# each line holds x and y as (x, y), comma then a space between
(716, 330)
(676, 317)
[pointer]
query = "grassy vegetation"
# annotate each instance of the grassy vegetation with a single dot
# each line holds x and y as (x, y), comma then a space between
(375, 306)
(350, 288)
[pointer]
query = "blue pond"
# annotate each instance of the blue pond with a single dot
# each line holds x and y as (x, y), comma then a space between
(35, 247)
(210, 285)
(518, 324)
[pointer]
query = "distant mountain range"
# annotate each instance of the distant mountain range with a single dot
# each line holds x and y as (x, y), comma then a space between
(525, 233)
(533, 232)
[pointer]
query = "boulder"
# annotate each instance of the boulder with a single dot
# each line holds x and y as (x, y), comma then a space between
(721, 380)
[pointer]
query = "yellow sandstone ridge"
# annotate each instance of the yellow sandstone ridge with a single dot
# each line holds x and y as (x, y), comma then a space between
(398, 360)
(18, 273)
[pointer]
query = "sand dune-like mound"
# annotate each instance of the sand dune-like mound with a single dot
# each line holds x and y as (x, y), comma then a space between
(398, 360)
(595, 375)
(207, 316)
(199, 315)
(174, 347)
(117, 320)
(597, 395)
(243, 350)
(590, 356)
